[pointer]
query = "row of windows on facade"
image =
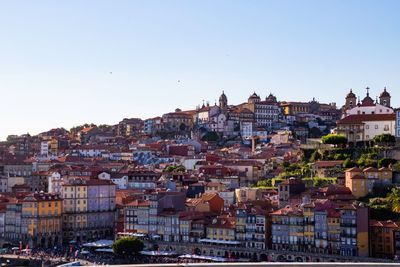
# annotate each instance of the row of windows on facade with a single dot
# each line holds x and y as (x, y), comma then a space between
(373, 112)
(359, 127)
(220, 232)
(43, 204)
(295, 240)
(42, 213)
(266, 118)
(267, 110)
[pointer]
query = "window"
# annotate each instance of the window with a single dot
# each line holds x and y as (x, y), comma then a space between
(376, 126)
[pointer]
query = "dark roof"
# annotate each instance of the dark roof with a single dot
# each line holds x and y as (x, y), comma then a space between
(385, 93)
(351, 94)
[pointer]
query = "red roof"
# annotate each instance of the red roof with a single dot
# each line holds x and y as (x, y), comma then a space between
(139, 203)
(289, 210)
(370, 169)
(354, 169)
(328, 163)
(360, 118)
(388, 224)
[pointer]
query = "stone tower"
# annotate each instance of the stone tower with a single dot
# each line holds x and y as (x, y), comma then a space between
(223, 101)
(351, 100)
(384, 98)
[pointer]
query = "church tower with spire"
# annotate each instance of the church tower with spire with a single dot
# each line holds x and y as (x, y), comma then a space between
(223, 101)
(367, 101)
(351, 100)
(384, 98)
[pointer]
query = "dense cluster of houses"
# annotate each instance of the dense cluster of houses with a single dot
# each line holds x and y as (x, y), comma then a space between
(95, 182)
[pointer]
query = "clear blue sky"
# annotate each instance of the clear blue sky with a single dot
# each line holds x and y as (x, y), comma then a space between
(56, 56)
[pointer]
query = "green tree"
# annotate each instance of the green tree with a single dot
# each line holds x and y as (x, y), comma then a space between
(305, 170)
(318, 182)
(264, 183)
(170, 168)
(180, 169)
(348, 163)
(368, 160)
(386, 162)
(334, 139)
(396, 167)
(128, 246)
(211, 137)
(394, 199)
(381, 190)
(340, 156)
(315, 156)
(380, 209)
(385, 140)
(286, 164)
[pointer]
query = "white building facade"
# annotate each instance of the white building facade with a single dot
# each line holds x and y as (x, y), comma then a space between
(398, 123)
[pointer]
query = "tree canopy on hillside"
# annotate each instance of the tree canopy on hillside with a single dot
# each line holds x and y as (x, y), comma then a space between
(334, 139)
(128, 246)
(385, 140)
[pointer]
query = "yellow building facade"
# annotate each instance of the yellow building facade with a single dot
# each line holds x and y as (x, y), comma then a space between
(222, 228)
(42, 217)
(356, 182)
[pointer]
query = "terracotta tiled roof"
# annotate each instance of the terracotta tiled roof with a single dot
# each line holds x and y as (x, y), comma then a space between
(139, 203)
(208, 196)
(289, 210)
(360, 118)
(328, 163)
(334, 189)
(387, 224)
(223, 222)
(354, 169)
(370, 169)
